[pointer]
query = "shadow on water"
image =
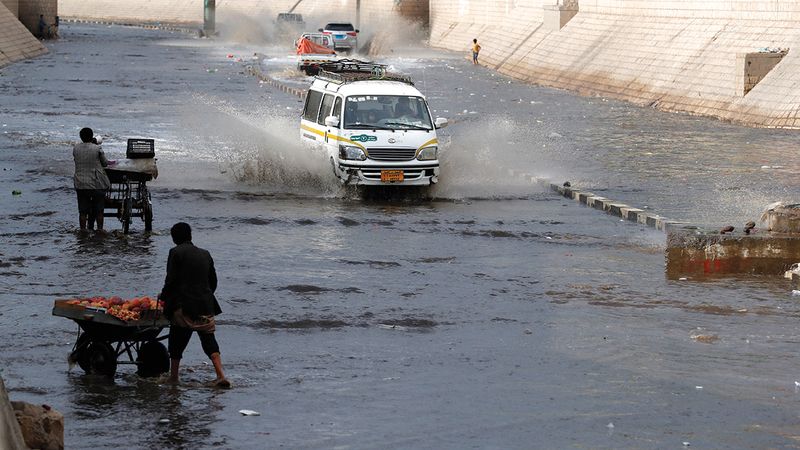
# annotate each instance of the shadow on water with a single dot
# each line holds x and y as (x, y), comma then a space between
(115, 243)
(392, 194)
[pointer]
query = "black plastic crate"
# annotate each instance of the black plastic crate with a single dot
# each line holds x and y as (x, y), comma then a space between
(140, 148)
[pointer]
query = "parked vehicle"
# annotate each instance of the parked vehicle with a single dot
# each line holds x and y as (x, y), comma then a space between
(312, 50)
(322, 39)
(376, 126)
(345, 36)
(291, 19)
(289, 24)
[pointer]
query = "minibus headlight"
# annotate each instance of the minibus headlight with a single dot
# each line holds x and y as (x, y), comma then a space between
(428, 153)
(351, 152)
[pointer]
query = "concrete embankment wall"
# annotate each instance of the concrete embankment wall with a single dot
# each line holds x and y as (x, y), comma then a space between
(678, 55)
(191, 11)
(16, 42)
(10, 434)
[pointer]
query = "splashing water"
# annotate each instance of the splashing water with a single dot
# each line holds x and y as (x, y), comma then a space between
(261, 148)
(477, 157)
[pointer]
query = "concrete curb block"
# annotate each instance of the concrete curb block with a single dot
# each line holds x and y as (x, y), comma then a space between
(189, 29)
(617, 209)
(600, 203)
(256, 72)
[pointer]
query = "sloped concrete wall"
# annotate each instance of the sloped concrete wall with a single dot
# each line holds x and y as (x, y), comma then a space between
(12, 5)
(16, 42)
(673, 54)
(10, 434)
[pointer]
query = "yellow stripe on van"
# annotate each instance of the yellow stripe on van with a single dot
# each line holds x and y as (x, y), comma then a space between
(332, 136)
(431, 142)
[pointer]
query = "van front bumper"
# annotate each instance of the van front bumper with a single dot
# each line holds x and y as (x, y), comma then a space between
(421, 175)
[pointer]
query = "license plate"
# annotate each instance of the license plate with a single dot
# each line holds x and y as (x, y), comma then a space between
(339, 36)
(391, 175)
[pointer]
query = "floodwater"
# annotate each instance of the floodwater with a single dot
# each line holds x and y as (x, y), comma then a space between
(497, 315)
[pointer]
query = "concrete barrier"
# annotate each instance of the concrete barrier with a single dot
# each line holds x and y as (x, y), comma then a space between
(283, 87)
(696, 253)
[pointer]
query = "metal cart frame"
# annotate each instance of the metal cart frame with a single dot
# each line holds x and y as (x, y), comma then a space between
(128, 196)
(104, 341)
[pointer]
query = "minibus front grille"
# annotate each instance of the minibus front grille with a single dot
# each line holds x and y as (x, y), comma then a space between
(392, 154)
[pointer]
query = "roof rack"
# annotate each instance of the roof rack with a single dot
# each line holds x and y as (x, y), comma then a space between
(348, 70)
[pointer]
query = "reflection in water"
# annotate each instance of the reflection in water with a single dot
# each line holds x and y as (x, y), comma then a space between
(164, 416)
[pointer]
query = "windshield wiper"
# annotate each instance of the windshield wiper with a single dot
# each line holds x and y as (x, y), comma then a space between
(416, 127)
(366, 126)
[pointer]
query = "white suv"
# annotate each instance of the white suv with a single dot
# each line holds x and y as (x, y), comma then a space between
(345, 36)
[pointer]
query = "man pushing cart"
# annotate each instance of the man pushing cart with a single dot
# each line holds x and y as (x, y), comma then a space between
(113, 188)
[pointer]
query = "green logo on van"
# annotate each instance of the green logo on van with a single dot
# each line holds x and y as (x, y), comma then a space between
(363, 138)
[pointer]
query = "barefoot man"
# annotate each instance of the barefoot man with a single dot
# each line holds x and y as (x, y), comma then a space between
(190, 303)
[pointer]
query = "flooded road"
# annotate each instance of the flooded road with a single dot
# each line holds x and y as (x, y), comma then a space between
(497, 315)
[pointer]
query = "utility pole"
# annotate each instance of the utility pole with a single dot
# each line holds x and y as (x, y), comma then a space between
(358, 14)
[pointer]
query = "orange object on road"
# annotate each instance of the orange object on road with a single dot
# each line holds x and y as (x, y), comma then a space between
(305, 46)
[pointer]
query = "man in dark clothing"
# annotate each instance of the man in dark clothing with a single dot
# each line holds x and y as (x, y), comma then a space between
(189, 301)
(42, 27)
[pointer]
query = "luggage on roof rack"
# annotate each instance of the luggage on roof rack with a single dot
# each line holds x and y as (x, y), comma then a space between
(347, 70)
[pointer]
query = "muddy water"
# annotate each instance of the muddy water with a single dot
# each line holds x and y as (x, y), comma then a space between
(497, 315)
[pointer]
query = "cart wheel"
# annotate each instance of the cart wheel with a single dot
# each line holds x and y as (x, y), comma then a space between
(79, 354)
(98, 358)
(152, 359)
(127, 210)
(148, 216)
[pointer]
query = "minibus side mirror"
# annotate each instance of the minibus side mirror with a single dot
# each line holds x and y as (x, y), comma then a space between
(332, 121)
(440, 122)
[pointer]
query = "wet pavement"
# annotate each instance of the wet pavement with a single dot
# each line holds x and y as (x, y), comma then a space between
(496, 315)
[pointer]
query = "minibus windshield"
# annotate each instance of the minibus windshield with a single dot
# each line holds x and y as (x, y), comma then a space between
(393, 112)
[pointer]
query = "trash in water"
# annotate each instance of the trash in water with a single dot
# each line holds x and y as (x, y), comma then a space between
(528, 331)
(16, 192)
(392, 327)
(163, 421)
(698, 387)
(249, 412)
(705, 338)
(610, 425)
(682, 279)
(686, 444)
